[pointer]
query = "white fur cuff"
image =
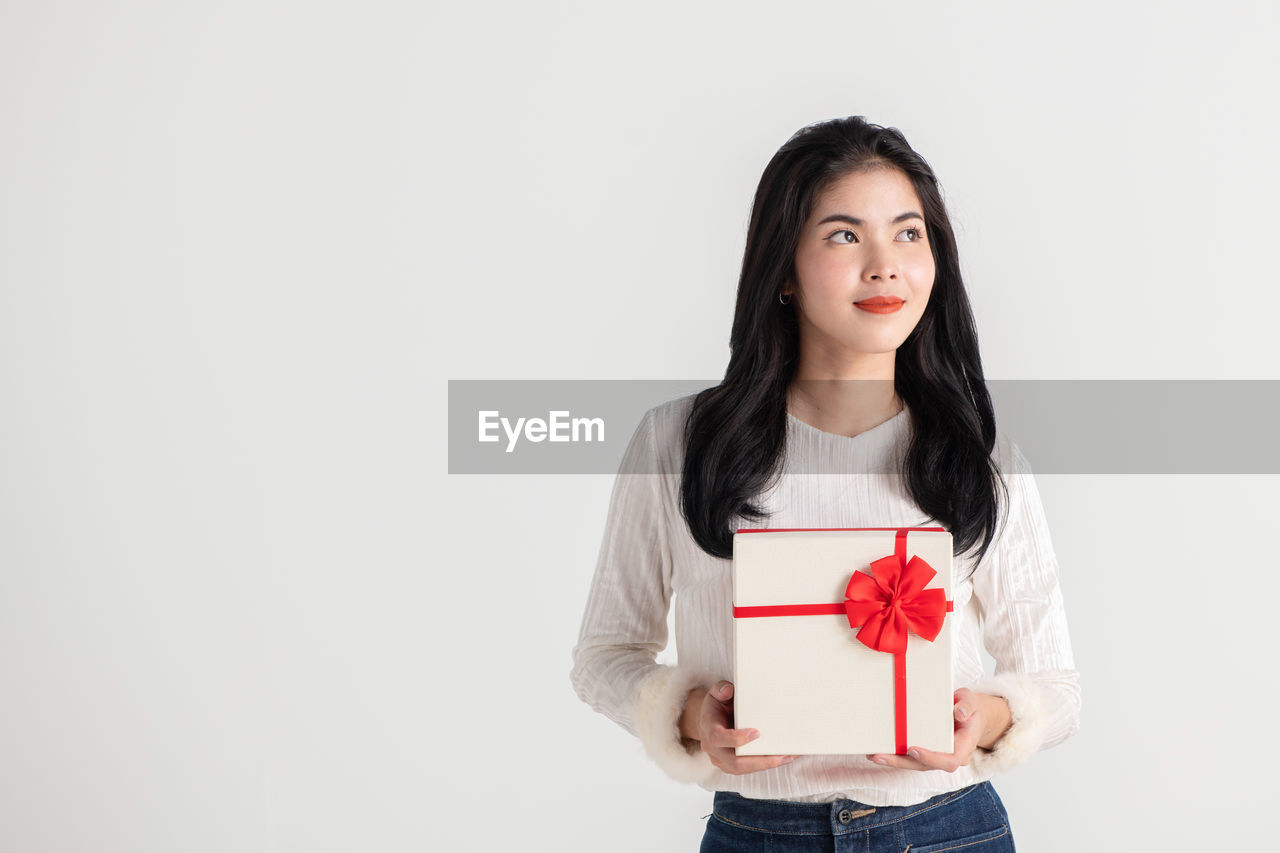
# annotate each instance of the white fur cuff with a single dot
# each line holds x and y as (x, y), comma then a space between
(657, 717)
(1027, 732)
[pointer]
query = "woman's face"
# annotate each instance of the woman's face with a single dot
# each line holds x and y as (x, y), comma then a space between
(865, 239)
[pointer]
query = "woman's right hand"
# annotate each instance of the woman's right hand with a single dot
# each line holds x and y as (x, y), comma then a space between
(708, 718)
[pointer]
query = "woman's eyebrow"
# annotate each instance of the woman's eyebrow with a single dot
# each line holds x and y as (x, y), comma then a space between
(853, 220)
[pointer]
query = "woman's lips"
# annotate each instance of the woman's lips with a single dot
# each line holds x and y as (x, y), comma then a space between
(880, 304)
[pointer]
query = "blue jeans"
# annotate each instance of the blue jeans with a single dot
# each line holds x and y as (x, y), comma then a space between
(970, 820)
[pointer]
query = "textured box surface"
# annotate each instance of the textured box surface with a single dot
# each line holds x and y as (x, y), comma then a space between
(806, 681)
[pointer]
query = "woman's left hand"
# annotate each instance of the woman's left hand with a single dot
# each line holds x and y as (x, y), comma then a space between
(981, 720)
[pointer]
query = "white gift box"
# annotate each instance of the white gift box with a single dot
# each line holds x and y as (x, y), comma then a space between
(807, 682)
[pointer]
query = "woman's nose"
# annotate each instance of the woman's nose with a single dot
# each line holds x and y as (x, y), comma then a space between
(880, 266)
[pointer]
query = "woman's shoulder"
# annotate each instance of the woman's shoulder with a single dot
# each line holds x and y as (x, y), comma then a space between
(1008, 455)
(673, 412)
(667, 420)
(1020, 496)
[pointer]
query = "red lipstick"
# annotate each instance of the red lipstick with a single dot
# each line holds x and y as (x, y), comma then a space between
(881, 304)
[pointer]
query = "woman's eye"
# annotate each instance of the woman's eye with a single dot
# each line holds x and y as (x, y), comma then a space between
(919, 235)
(837, 235)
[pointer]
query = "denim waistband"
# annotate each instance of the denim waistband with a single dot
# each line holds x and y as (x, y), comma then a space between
(838, 816)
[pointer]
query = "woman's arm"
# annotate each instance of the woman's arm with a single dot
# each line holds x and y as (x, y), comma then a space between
(1025, 629)
(624, 625)
(689, 715)
(996, 719)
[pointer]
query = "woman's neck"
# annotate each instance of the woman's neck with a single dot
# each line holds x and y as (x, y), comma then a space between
(843, 406)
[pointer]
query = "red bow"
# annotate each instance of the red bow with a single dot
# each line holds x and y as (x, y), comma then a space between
(895, 602)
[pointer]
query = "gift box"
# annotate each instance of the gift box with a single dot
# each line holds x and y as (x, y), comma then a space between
(842, 640)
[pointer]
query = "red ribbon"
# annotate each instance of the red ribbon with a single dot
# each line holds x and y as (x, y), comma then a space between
(883, 606)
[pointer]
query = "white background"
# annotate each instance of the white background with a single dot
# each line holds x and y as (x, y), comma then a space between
(243, 606)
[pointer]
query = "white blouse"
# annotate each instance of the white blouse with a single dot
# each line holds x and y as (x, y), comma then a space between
(1012, 603)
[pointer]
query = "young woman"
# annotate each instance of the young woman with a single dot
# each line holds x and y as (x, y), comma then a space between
(854, 397)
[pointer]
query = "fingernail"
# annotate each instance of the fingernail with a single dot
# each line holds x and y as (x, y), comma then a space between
(880, 760)
(789, 759)
(914, 754)
(961, 713)
(753, 734)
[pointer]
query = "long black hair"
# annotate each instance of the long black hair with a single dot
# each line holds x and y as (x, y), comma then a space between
(736, 431)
